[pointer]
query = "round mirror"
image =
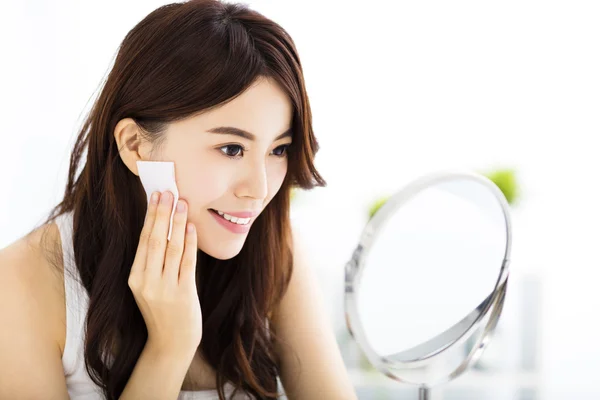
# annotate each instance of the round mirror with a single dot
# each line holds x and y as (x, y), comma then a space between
(426, 284)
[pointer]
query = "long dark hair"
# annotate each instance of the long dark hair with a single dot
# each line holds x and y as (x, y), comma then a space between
(179, 60)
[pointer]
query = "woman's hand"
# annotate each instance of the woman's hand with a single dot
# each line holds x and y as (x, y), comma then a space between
(163, 278)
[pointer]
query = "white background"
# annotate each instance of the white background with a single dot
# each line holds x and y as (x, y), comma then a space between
(398, 89)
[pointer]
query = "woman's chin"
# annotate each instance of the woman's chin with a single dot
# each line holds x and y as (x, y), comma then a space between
(221, 251)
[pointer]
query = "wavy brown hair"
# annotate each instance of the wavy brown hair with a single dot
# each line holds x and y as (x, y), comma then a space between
(181, 59)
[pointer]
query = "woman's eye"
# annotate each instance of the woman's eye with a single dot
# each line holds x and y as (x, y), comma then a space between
(232, 150)
(281, 150)
(237, 151)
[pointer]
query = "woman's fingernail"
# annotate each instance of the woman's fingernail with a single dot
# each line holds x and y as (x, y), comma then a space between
(180, 206)
(154, 198)
(165, 198)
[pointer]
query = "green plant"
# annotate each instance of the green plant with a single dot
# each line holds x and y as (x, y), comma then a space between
(293, 193)
(506, 181)
(377, 205)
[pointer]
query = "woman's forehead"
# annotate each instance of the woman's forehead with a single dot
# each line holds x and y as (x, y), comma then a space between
(262, 113)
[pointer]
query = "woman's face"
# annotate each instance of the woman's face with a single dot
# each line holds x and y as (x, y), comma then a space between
(232, 160)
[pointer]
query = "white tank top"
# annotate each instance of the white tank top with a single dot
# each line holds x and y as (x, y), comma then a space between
(79, 384)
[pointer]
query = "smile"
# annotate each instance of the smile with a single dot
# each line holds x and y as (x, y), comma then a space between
(231, 218)
(239, 224)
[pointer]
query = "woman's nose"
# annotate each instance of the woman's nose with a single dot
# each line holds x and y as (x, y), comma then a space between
(255, 183)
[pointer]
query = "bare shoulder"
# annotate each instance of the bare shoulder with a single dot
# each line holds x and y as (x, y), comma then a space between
(34, 284)
(32, 318)
(25, 261)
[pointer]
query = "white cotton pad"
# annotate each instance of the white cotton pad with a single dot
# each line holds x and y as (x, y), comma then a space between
(159, 176)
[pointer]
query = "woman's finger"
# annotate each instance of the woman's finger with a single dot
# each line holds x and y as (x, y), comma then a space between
(187, 271)
(176, 244)
(139, 262)
(157, 242)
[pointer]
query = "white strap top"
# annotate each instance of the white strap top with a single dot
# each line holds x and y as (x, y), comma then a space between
(79, 384)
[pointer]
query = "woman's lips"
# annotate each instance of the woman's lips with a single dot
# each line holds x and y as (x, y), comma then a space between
(232, 226)
(240, 214)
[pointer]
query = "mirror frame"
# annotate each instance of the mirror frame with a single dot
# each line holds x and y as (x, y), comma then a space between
(470, 325)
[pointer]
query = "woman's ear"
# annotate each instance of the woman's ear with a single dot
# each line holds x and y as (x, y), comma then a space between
(130, 143)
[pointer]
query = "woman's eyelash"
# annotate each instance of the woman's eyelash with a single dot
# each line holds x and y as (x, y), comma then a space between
(232, 146)
(240, 149)
(285, 148)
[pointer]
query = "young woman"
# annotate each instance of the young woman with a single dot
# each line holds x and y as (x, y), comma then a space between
(97, 303)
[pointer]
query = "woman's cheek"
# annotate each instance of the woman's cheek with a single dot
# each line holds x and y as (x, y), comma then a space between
(201, 186)
(276, 178)
(207, 186)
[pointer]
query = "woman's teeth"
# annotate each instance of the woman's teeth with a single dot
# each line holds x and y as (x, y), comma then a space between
(235, 220)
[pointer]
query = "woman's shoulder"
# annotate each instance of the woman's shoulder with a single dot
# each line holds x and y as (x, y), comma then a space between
(31, 320)
(31, 278)
(34, 260)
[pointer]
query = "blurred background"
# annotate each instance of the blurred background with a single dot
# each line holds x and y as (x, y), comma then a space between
(398, 90)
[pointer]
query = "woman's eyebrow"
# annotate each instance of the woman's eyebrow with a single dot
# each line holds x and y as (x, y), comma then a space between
(230, 130)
